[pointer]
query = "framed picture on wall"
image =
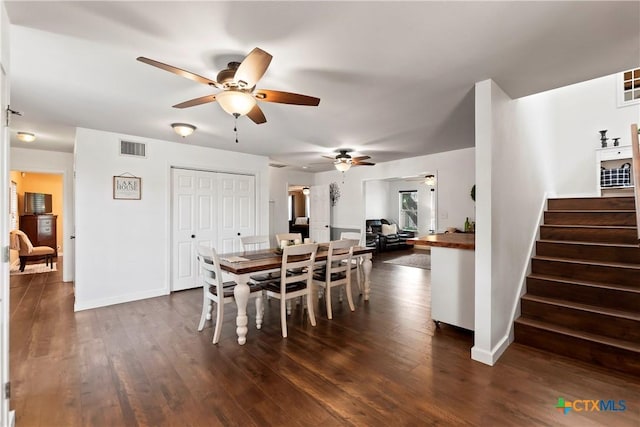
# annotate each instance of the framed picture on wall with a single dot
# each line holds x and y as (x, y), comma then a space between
(127, 188)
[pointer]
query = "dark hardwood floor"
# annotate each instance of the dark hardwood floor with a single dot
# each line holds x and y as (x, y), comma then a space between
(144, 363)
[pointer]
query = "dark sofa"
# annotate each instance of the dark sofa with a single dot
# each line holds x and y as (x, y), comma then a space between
(381, 242)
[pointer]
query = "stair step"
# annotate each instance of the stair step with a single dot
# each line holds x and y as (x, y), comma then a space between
(625, 253)
(585, 292)
(610, 322)
(608, 352)
(602, 272)
(590, 233)
(590, 217)
(592, 203)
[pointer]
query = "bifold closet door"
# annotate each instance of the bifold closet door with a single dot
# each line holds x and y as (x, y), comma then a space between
(194, 222)
(236, 211)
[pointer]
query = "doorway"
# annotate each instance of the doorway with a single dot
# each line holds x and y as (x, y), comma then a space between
(36, 184)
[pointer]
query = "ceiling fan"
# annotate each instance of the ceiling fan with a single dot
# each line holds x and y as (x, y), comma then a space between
(238, 95)
(429, 180)
(343, 161)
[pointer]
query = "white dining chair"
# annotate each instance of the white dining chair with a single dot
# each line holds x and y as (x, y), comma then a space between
(214, 290)
(290, 237)
(253, 243)
(356, 262)
(337, 272)
(296, 276)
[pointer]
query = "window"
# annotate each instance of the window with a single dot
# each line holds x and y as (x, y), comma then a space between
(13, 215)
(629, 87)
(408, 210)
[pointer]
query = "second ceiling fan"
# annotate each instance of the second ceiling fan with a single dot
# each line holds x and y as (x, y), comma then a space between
(238, 95)
(343, 161)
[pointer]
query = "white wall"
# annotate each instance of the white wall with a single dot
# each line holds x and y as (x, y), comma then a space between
(456, 175)
(54, 162)
(527, 148)
(123, 246)
(376, 199)
(279, 181)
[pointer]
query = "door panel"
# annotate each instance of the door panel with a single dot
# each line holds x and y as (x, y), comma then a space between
(194, 221)
(320, 218)
(237, 212)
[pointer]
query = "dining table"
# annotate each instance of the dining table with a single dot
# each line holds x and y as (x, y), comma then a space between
(241, 265)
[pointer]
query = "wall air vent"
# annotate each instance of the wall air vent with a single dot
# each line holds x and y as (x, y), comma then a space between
(135, 149)
(276, 165)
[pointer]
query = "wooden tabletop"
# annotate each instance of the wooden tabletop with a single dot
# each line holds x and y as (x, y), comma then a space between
(446, 240)
(268, 259)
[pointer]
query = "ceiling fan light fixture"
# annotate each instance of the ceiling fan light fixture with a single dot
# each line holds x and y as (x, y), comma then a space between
(26, 136)
(183, 129)
(342, 165)
(236, 102)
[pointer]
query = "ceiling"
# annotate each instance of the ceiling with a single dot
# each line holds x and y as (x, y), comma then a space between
(395, 79)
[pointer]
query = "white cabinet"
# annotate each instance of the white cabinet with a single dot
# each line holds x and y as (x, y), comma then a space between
(613, 157)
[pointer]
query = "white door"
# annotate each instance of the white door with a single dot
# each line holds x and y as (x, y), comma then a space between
(320, 218)
(4, 262)
(193, 222)
(236, 210)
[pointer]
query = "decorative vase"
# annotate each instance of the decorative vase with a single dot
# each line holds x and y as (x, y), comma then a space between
(603, 138)
(616, 142)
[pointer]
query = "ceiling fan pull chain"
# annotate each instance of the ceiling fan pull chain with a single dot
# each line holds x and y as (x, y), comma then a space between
(235, 126)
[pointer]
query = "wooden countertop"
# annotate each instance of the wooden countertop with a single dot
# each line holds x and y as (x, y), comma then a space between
(446, 240)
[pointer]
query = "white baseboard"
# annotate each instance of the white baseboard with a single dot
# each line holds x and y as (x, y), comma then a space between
(491, 357)
(136, 296)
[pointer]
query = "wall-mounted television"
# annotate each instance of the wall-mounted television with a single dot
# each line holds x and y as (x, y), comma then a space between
(37, 203)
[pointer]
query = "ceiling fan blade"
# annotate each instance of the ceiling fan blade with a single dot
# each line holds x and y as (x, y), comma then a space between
(257, 115)
(252, 68)
(179, 71)
(196, 101)
(330, 157)
(357, 159)
(286, 97)
(362, 164)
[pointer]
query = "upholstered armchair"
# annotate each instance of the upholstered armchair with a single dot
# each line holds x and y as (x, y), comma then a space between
(26, 251)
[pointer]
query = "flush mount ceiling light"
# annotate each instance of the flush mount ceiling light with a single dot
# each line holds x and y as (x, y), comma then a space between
(430, 180)
(183, 129)
(306, 191)
(26, 136)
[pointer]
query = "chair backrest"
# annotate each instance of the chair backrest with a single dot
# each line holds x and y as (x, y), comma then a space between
(210, 272)
(339, 256)
(290, 237)
(21, 242)
(297, 264)
(350, 235)
(253, 243)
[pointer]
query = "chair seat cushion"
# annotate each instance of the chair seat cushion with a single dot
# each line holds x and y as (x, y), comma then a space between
(267, 277)
(291, 287)
(322, 276)
(227, 288)
(42, 250)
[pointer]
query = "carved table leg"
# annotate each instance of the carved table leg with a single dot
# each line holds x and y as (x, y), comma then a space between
(366, 268)
(241, 294)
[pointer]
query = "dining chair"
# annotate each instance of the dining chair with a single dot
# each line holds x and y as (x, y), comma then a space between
(290, 237)
(296, 275)
(356, 263)
(252, 243)
(214, 290)
(337, 272)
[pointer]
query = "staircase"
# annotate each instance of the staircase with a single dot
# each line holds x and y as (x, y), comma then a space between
(583, 293)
